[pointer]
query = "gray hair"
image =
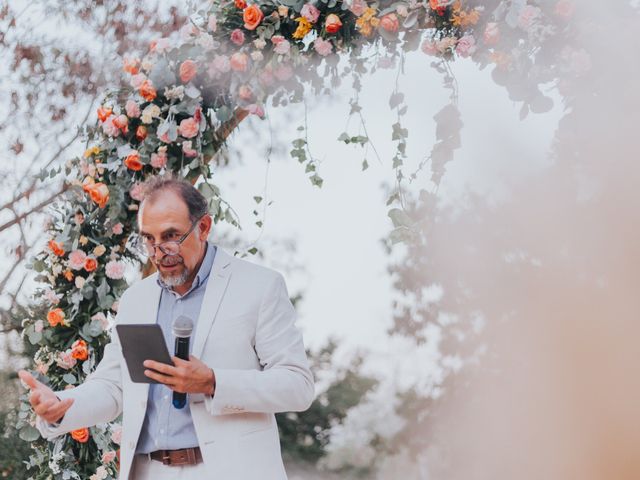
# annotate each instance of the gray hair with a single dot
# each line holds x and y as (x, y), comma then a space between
(196, 202)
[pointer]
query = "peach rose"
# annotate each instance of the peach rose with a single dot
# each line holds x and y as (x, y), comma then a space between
(332, 23)
(99, 193)
(56, 248)
(132, 162)
(76, 259)
(131, 65)
(188, 128)
(81, 435)
(68, 274)
(141, 132)
(390, 23)
(108, 457)
(55, 317)
(132, 109)
(491, 34)
(188, 70)
(79, 350)
(103, 113)
(147, 90)
(239, 62)
(245, 93)
(252, 17)
(121, 122)
(90, 264)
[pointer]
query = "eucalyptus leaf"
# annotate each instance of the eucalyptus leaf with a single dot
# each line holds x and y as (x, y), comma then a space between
(29, 433)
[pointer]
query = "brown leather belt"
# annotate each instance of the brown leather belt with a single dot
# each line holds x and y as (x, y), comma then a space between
(185, 456)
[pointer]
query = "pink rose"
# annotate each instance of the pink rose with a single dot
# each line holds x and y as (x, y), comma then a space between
(108, 457)
(310, 12)
(491, 34)
(528, 16)
(51, 296)
(162, 45)
(117, 229)
(237, 36)
(77, 259)
(38, 326)
(564, 8)
(188, 128)
(358, 7)
(132, 109)
(116, 435)
(466, 46)
(65, 360)
(104, 321)
(188, 149)
(245, 92)
(114, 270)
(446, 44)
(137, 191)
(110, 128)
(159, 160)
(429, 47)
(322, 46)
(255, 109)
(239, 62)
(137, 80)
(188, 71)
(282, 46)
(390, 23)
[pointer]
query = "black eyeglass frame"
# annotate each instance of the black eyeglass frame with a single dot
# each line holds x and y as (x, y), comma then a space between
(151, 249)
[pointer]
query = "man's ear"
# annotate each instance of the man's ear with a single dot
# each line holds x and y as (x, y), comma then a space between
(205, 227)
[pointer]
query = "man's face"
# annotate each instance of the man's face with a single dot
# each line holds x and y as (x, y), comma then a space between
(166, 218)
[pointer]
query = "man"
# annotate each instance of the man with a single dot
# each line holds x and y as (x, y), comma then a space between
(248, 360)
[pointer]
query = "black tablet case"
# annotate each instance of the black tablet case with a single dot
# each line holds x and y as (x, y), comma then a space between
(142, 342)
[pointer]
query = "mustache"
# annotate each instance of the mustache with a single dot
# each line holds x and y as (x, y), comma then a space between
(171, 261)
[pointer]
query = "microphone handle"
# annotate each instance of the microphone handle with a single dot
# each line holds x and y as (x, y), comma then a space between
(182, 352)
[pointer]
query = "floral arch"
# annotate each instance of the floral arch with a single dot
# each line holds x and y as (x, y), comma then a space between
(191, 90)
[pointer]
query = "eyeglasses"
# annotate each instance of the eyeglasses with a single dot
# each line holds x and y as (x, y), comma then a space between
(171, 247)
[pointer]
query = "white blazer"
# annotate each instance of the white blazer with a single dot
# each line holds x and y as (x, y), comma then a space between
(246, 333)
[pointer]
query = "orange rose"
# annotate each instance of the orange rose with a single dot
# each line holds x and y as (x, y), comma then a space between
(55, 317)
(332, 23)
(98, 192)
(56, 248)
(252, 17)
(141, 132)
(133, 162)
(79, 350)
(81, 435)
(90, 264)
(68, 274)
(103, 113)
(147, 90)
(241, 4)
(188, 70)
(131, 65)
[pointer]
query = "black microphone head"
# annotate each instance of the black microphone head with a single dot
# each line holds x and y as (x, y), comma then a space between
(182, 327)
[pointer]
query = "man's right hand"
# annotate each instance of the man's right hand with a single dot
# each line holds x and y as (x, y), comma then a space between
(43, 400)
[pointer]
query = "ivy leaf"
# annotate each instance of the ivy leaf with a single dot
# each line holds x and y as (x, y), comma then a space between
(399, 218)
(344, 137)
(253, 250)
(316, 180)
(365, 164)
(396, 99)
(257, 199)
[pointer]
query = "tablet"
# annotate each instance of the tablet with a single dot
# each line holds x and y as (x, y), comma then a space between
(142, 342)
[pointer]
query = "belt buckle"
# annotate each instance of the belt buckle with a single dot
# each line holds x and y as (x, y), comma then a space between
(166, 457)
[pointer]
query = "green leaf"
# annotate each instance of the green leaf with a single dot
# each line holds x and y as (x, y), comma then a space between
(299, 142)
(344, 137)
(69, 378)
(29, 433)
(316, 180)
(365, 165)
(253, 250)
(399, 218)
(259, 224)
(257, 199)
(396, 99)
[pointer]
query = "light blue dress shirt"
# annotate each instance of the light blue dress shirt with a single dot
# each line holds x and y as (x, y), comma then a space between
(166, 427)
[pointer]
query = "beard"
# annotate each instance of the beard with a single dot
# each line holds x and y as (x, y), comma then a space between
(173, 279)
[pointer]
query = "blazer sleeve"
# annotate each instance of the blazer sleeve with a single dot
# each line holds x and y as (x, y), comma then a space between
(98, 399)
(285, 383)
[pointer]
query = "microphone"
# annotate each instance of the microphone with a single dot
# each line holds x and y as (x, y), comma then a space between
(182, 328)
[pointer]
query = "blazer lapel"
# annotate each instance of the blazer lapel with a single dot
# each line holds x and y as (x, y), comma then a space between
(146, 310)
(216, 287)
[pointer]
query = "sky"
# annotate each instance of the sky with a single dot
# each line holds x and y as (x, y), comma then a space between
(338, 228)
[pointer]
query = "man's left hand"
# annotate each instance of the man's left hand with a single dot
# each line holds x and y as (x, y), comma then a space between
(184, 376)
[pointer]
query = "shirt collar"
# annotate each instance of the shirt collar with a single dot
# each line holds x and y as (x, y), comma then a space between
(203, 271)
